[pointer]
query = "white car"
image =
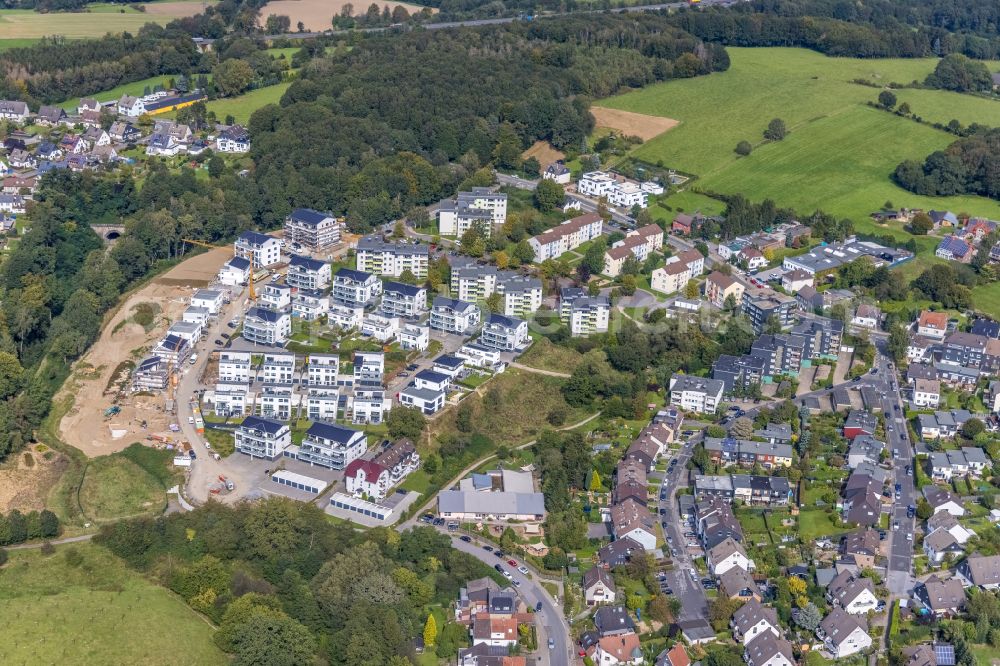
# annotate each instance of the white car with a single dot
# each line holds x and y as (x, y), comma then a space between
(506, 574)
(523, 569)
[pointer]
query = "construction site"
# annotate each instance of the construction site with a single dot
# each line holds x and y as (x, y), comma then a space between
(107, 415)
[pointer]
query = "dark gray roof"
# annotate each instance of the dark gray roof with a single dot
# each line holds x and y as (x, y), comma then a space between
(270, 426)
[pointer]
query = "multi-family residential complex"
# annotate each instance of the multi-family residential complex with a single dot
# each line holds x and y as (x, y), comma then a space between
(331, 445)
(322, 370)
(312, 229)
(585, 315)
(262, 437)
(522, 294)
(618, 191)
(567, 236)
(383, 258)
(403, 300)
(376, 477)
(719, 287)
(695, 394)
(680, 269)
(638, 244)
(473, 282)
(355, 288)
(480, 206)
(504, 333)
(267, 327)
(259, 249)
(307, 273)
(454, 316)
(746, 452)
(760, 304)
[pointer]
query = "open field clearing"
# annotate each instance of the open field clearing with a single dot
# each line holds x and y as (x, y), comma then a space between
(26, 478)
(544, 153)
(88, 608)
(114, 488)
(23, 24)
(124, 340)
(318, 14)
(642, 125)
(243, 106)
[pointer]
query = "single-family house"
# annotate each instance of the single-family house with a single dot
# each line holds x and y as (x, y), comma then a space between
(598, 587)
(844, 634)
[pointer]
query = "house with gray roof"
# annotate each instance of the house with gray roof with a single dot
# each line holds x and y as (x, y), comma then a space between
(768, 650)
(844, 634)
(752, 619)
(942, 597)
(982, 571)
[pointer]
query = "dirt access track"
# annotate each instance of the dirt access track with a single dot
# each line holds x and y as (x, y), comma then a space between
(633, 124)
(122, 342)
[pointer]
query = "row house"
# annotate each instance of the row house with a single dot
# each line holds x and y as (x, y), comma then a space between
(959, 462)
(278, 368)
(322, 404)
(747, 452)
(715, 522)
(942, 424)
(322, 370)
(377, 256)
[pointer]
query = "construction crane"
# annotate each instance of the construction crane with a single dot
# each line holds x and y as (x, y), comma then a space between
(251, 292)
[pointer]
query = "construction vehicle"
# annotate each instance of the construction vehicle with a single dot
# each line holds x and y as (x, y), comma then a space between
(210, 246)
(226, 482)
(111, 411)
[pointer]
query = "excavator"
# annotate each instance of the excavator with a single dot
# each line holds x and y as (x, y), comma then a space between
(251, 292)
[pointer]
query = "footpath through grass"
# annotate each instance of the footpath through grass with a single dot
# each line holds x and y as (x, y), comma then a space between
(88, 608)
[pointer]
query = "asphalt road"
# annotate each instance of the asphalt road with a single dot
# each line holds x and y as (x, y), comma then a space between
(694, 602)
(549, 620)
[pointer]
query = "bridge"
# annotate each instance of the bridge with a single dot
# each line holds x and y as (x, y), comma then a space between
(109, 233)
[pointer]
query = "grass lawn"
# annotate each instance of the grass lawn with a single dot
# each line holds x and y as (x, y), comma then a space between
(418, 481)
(687, 202)
(475, 380)
(98, 612)
(545, 355)
(223, 442)
(815, 524)
(242, 106)
(116, 487)
(839, 153)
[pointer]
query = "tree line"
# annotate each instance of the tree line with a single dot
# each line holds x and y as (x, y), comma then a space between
(970, 165)
(286, 586)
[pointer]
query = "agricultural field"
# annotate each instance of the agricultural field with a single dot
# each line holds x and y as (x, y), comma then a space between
(81, 605)
(98, 20)
(318, 15)
(838, 154)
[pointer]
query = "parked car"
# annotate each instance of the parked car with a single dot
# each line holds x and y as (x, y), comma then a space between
(538, 606)
(498, 568)
(523, 569)
(512, 563)
(552, 643)
(466, 538)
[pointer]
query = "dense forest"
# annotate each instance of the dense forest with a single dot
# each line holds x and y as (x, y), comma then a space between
(890, 28)
(401, 119)
(970, 165)
(285, 585)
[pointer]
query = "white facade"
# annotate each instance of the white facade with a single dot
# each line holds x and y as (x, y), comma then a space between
(696, 394)
(267, 327)
(210, 299)
(480, 206)
(310, 304)
(504, 333)
(230, 399)
(478, 356)
(454, 316)
(262, 438)
(235, 272)
(588, 316)
(322, 370)
(355, 288)
(276, 296)
(277, 402)
(345, 317)
(403, 300)
(260, 249)
(307, 273)
(278, 368)
(428, 401)
(321, 404)
(379, 327)
(415, 337)
(392, 259)
(234, 367)
(569, 235)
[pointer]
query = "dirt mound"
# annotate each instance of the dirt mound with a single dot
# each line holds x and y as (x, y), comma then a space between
(633, 124)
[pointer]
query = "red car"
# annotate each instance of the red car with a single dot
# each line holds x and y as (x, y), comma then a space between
(512, 563)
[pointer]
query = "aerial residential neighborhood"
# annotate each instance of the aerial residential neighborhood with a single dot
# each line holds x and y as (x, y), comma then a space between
(500, 334)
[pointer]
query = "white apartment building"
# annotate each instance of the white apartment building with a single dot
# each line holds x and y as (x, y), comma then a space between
(234, 367)
(454, 316)
(276, 402)
(415, 337)
(276, 296)
(195, 315)
(370, 405)
(596, 184)
(331, 445)
(230, 399)
(312, 229)
(344, 316)
(585, 315)
(567, 236)
(504, 333)
(236, 271)
(355, 288)
(522, 295)
(210, 299)
(322, 370)
(310, 304)
(473, 282)
(234, 139)
(428, 401)
(262, 437)
(369, 368)
(476, 355)
(619, 192)
(188, 330)
(259, 249)
(321, 404)
(307, 273)
(380, 327)
(267, 327)
(628, 195)
(481, 205)
(696, 394)
(382, 258)
(403, 300)
(278, 368)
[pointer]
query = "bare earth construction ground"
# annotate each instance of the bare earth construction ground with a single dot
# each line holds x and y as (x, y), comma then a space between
(544, 153)
(84, 426)
(633, 124)
(318, 15)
